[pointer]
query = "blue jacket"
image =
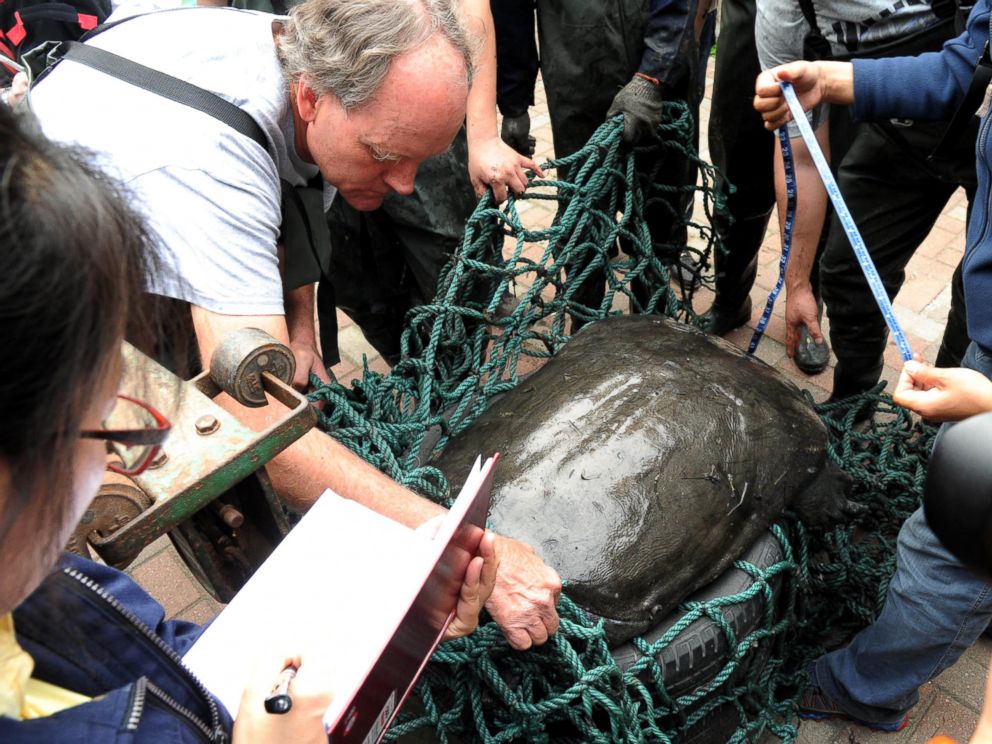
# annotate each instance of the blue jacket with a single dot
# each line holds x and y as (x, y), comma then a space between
(668, 37)
(929, 87)
(93, 630)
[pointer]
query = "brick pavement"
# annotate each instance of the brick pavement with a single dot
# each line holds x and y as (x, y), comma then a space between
(948, 705)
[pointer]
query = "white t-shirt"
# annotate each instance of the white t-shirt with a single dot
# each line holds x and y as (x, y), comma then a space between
(850, 26)
(211, 196)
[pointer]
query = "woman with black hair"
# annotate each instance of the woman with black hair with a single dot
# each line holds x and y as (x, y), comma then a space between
(86, 654)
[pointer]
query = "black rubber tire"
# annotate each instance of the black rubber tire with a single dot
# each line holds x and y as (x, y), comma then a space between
(701, 650)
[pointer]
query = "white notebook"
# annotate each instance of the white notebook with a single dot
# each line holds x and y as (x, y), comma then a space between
(368, 594)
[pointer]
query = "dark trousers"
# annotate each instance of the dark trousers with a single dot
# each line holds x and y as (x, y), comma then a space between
(589, 51)
(895, 196)
(517, 60)
(387, 261)
(741, 148)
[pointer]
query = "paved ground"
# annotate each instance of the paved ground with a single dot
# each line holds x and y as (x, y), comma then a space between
(949, 705)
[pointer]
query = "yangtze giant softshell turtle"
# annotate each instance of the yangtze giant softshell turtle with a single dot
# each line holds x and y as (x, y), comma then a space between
(643, 459)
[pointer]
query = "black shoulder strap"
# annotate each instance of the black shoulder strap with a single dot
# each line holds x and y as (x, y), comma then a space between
(969, 105)
(815, 45)
(167, 86)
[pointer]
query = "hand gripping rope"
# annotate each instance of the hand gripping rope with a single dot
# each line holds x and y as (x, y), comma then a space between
(843, 214)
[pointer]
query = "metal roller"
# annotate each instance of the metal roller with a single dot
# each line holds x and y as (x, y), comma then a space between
(241, 358)
(117, 502)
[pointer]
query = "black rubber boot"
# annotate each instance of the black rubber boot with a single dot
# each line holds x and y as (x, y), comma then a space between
(736, 269)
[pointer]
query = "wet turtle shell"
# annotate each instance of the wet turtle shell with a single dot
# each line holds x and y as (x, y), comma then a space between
(643, 459)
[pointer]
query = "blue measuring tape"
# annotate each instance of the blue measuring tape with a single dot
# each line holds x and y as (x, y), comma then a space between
(843, 215)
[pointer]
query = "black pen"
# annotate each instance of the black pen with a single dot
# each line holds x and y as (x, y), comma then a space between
(279, 700)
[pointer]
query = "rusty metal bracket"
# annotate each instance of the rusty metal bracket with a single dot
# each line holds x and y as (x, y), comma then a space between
(208, 451)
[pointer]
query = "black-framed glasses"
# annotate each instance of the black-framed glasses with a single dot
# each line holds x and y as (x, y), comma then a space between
(134, 433)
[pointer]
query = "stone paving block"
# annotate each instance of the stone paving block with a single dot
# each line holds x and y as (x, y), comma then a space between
(201, 612)
(352, 345)
(938, 240)
(770, 351)
(166, 578)
(959, 212)
(891, 355)
(912, 734)
(345, 372)
(162, 543)
(964, 681)
(917, 293)
(952, 256)
(816, 384)
(951, 224)
(928, 325)
(949, 717)
(981, 651)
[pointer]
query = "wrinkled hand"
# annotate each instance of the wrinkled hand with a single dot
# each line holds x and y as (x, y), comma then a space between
(493, 163)
(940, 394)
(303, 722)
(515, 132)
(641, 105)
(480, 578)
(769, 101)
(307, 360)
(801, 310)
(524, 598)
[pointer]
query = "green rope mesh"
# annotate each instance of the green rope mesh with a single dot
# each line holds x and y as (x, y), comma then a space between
(466, 347)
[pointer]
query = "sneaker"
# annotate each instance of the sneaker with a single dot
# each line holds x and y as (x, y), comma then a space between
(811, 357)
(816, 706)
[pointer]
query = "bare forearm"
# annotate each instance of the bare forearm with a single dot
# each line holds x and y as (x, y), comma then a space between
(811, 206)
(481, 110)
(317, 462)
(299, 305)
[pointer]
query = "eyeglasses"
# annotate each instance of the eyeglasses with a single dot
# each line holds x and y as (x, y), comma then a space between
(134, 433)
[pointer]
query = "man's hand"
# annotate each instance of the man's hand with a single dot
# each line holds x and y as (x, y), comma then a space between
(515, 132)
(641, 105)
(813, 82)
(800, 310)
(491, 162)
(480, 578)
(308, 360)
(523, 601)
(940, 394)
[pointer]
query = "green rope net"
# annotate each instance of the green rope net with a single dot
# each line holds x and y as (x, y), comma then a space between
(469, 345)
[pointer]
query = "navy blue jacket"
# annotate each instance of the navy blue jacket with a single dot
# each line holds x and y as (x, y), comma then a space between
(930, 87)
(93, 630)
(668, 37)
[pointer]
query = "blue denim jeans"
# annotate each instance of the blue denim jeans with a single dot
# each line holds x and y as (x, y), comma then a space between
(935, 609)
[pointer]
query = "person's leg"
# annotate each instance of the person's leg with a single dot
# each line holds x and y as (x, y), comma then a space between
(955, 340)
(368, 278)
(589, 50)
(894, 199)
(742, 150)
(516, 55)
(934, 610)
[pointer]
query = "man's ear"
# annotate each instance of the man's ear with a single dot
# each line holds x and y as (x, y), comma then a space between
(306, 101)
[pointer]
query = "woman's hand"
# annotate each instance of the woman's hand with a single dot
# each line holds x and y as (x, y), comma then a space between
(943, 394)
(302, 724)
(480, 578)
(492, 162)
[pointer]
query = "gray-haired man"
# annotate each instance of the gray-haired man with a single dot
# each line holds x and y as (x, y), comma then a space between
(361, 91)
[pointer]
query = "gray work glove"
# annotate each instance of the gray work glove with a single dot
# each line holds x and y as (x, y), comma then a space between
(640, 103)
(516, 133)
